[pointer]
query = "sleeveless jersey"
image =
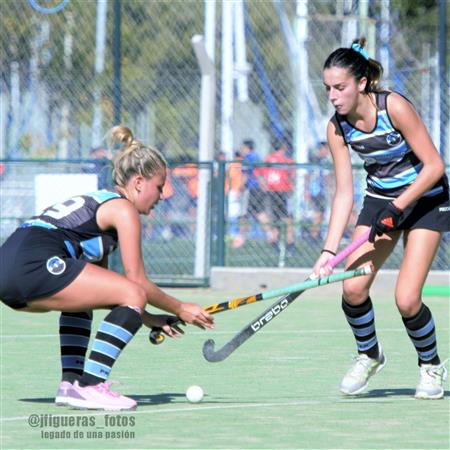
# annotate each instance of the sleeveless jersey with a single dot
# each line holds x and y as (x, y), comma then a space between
(389, 161)
(75, 220)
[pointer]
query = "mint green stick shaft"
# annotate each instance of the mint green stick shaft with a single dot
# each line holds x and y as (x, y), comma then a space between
(333, 278)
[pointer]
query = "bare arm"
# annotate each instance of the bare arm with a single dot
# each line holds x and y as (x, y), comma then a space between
(342, 203)
(406, 120)
(121, 215)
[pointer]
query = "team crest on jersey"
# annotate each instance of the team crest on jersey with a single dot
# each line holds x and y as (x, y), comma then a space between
(393, 138)
(55, 265)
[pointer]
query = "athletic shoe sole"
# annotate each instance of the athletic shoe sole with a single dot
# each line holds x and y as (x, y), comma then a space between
(358, 391)
(83, 404)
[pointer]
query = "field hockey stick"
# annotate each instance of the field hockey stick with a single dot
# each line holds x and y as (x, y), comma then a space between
(274, 310)
(157, 338)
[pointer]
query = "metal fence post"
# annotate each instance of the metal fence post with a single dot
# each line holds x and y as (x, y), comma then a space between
(219, 194)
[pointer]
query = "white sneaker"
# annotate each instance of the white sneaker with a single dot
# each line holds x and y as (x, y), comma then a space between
(357, 378)
(431, 380)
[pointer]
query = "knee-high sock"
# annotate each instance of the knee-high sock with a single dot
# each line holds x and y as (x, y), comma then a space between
(361, 319)
(422, 333)
(74, 333)
(114, 333)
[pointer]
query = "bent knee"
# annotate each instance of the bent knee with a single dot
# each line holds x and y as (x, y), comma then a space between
(135, 296)
(408, 305)
(354, 293)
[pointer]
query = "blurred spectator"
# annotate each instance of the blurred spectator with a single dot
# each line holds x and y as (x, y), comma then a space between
(233, 189)
(318, 187)
(158, 224)
(102, 166)
(279, 184)
(185, 184)
(253, 196)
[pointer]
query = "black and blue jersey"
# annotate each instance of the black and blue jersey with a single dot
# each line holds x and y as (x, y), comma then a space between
(76, 220)
(49, 251)
(389, 161)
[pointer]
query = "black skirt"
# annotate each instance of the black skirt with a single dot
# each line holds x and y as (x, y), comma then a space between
(35, 263)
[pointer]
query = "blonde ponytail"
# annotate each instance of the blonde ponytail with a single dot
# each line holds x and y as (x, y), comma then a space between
(133, 157)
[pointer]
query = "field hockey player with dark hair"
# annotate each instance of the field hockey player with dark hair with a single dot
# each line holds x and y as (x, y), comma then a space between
(407, 196)
(58, 261)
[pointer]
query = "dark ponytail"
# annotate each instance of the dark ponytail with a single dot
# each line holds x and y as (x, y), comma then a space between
(358, 63)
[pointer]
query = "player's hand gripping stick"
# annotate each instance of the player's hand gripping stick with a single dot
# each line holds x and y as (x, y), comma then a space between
(156, 337)
(274, 310)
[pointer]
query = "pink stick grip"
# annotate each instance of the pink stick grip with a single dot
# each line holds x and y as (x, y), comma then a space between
(333, 262)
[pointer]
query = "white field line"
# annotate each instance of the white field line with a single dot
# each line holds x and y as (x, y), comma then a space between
(200, 408)
(278, 332)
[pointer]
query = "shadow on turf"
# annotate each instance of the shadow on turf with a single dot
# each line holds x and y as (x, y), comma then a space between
(378, 393)
(154, 399)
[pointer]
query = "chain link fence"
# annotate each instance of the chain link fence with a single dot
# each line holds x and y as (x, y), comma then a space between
(235, 234)
(71, 69)
(272, 237)
(169, 234)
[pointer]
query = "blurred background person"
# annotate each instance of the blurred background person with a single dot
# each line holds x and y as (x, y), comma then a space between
(253, 196)
(279, 184)
(318, 187)
(233, 191)
(102, 166)
(185, 183)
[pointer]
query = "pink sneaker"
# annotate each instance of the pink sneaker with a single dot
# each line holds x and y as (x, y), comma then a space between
(61, 395)
(98, 396)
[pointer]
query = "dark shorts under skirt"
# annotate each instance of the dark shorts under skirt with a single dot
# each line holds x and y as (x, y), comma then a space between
(431, 213)
(35, 263)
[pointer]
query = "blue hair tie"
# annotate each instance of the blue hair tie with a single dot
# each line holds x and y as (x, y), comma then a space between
(360, 50)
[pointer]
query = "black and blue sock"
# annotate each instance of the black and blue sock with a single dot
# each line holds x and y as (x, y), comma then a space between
(421, 331)
(114, 333)
(74, 334)
(361, 319)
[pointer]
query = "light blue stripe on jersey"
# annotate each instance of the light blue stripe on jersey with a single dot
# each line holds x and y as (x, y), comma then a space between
(103, 195)
(116, 331)
(356, 136)
(430, 193)
(106, 349)
(69, 247)
(353, 134)
(73, 340)
(401, 179)
(72, 362)
(383, 122)
(422, 331)
(366, 318)
(92, 249)
(97, 369)
(389, 154)
(77, 322)
(37, 223)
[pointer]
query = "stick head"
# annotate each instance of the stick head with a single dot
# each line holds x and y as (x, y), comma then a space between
(208, 350)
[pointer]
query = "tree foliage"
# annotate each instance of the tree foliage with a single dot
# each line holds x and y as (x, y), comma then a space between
(159, 69)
